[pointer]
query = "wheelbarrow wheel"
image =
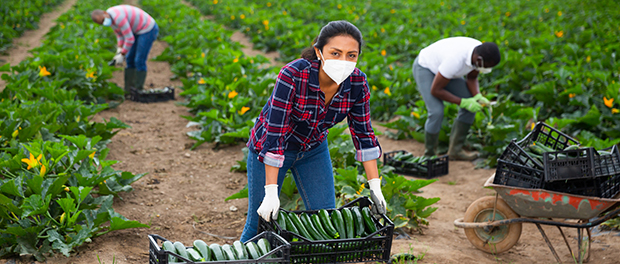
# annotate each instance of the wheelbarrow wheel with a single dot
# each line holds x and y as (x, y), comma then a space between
(494, 239)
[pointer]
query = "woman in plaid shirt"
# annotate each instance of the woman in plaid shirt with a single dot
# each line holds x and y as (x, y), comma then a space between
(311, 95)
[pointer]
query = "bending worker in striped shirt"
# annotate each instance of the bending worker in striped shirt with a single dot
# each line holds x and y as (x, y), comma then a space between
(135, 33)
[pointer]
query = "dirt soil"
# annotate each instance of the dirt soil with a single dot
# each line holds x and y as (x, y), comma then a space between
(182, 196)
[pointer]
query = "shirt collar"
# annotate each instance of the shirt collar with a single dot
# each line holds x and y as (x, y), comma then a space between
(468, 59)
(345, 86)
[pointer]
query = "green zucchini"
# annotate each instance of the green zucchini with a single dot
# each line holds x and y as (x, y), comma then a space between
(358, 220)
(571, 147)
(217, 252)
(536, 149)
(253, 251)
(338, 221)
(228, 252)
(194, 255)
(281, 219)
(203, 249)
(545, 148)
(348, 222)
(264, 246)
(168, 246)
(181, 250)
(602, 152)
(327, 224)
(316, 221)
(240, 250)
(300, 227)
(290, 226)
(307, 222)
(370, 224)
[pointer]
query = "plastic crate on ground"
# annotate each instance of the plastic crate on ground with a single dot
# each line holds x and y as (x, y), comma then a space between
(375, 247)
(280, 250)
(152, 95)
(428, 169)
(510, 174)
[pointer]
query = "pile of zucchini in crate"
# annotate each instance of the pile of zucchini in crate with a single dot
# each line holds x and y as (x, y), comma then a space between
(201, 252)
(349, 222)
(548, 159)
(406, 163)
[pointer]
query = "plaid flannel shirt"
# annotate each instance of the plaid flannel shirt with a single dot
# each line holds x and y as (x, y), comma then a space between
(295, 116)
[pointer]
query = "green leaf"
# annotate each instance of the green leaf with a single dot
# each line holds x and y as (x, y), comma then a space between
(117, 223)
(243, 193)
(592, 118)
(35, 205)
(67, 204)
(35, 184)
(13, 187)
(8, 203)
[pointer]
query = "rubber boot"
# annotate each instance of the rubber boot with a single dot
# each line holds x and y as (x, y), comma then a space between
(130, 79)
(430, 143)
(140, 78)
(457, 141)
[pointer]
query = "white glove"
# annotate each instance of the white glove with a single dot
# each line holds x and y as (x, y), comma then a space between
(375, 188)
(271, 203)
(119, 58)
(118, 50)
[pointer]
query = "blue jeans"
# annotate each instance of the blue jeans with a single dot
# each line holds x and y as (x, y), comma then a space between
(458, 86)
(137, 55)
(313, 174)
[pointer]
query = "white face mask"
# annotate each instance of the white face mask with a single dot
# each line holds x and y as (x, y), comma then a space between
(107, 21)
(482, 70)
(338, 70)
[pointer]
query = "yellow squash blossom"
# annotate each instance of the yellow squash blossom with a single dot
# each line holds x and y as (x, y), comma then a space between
(91, 74)
(393, 11)
(266, 22)
(383, 53)
(339, 6)
(507, 14)
(416, 115)
(201, 81)
(243, 110)
(92, 155)
(232, 94)
(382, 30)
(232, 17)
(608, 102)
(268, 4)
(559, 34)
(615, 110)
(242, 16)
(15, 133)
(374, 88)
(462, 22)
(43, 71)
(43, 170)
(588, 59)
(215, 2)
(236, 60)
(284, 12)
(32, 162)
(571, 95)
(202, 55)
(559, 13)
(387, 91)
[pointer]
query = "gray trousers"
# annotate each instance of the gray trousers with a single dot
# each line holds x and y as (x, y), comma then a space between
(424, 79)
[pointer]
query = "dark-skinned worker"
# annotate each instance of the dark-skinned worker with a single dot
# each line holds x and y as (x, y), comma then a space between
(135, 33)
(438, 71)
(311, 95)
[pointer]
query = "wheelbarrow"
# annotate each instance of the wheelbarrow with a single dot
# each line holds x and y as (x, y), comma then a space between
(493, 223)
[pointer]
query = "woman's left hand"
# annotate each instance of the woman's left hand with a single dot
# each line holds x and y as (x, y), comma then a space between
(379, 200)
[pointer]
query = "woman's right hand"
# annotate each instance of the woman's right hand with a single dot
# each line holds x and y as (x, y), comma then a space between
(271, 203)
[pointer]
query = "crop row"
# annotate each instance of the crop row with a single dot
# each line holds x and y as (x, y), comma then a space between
(19, 16)
(57, 188)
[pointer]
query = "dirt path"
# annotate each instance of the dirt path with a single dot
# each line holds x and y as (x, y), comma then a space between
(32, 38)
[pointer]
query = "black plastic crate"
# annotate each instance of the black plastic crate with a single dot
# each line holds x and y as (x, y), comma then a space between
(607, 165)
(585, 187)
(375, 247)
(152, 95)
(569, 164)
(609, 186)
(548, 136)
(428, 169)
(516, 154)
(280, 251)
(510, 174)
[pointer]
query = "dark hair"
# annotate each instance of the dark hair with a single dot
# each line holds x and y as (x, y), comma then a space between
(332, 29)
(489, 52)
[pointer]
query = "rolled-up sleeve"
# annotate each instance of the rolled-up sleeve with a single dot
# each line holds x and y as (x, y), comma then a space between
(362, 134)
(277, 125)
